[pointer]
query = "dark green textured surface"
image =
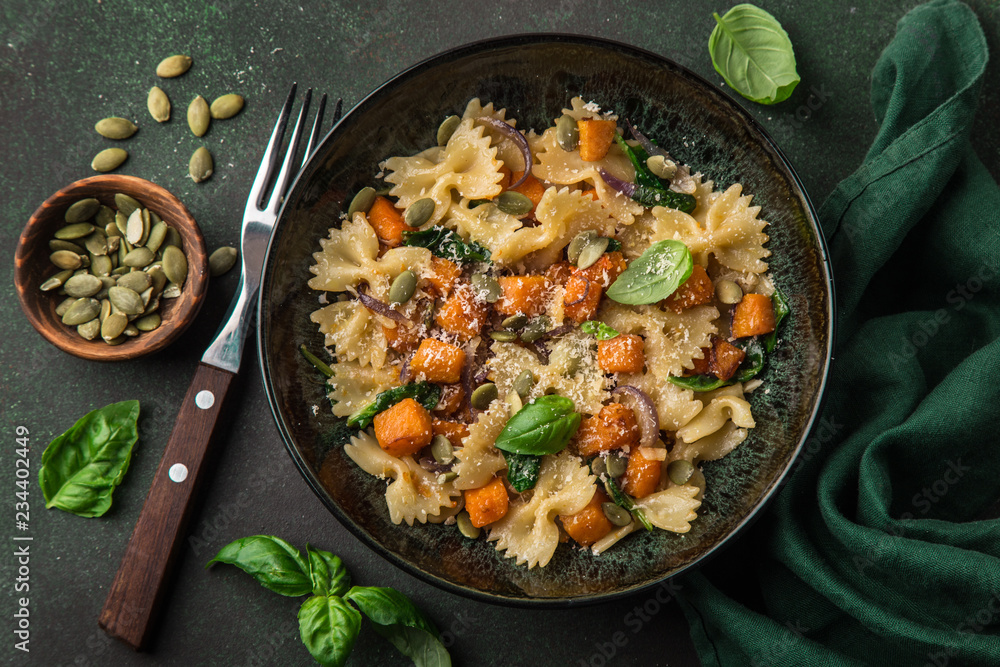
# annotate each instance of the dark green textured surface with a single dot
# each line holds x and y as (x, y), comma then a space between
(64, 65)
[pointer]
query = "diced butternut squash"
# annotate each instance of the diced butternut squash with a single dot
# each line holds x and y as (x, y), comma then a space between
(438, 361)
(462, 313)
(592, 193)
(621, 354)
(754, 316)
(585, 287)
(441, 275)
(702, 365)
(726, 358)
(524, 294)
(487, 504)
(642, 475)
(596, 137)
(607, 269)
(403, 429)
(532, 188)
(696, 290)
(589, 524)
(451, 399)
(387, 222)
(505, 183)
(613, 427)
(559, 272)
(402, 338)
(454, 431)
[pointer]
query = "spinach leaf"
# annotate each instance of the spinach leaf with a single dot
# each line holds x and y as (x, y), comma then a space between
(426, 393)
(328, 627)
(622, 499)
(781, 309)
(752, 52)
(637, 155)
(600, 330)
(753, 363)
(81, 468)
(273, 562)
(660, 197)
(543, 426)
(706, 382)
(522, 470)
(613, 245)
(398, 620)
(445, 243)
(655, 275)
(327, 573)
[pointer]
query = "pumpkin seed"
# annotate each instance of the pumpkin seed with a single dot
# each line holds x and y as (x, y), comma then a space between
(89, 330)
(514, 203)
(173, 238)
(513, 400)
(115, 128)
(419, 212)
(198, 116)
(115, 341)
(153, 305)
(503, 336)
(446, 477)
(535, 329)
(125, 300)
(618, 516)
(598, 467)
(82, 210)
(616, 465)
(579, 242)
(362, 202)
(125, 205)
(77, 230)
(146, 296)
(113, 243)
(65, 259)
(105, 309)
(157, 276)
(223, 259)
(97, 243)
(661, 166)
(104, 216)
(464, 521)
(137, 281)
(442, 449)
(120, 270)
(567, 133)
(156, 236)
(486, 287)
(226, 106)
(83, 310)
(592, 252)
(113, 326)
(680, 471)
(131, 331)
(158, 104)
(64, 306)
(148, 322)
(403, 287)
(60, 244)
(447, 128)
(101, 265)
(57, 281)
(173, 66)
(200, 166)
(515, 321)
(175, 265)
(483, 395)
(171, 291)
(728, 292)
(145, 228)
(523, 383)
(109, 159)
(83, 285)
(139, 257)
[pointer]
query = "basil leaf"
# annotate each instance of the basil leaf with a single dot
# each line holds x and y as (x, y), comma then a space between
(544, 426)
(273, 562)
(327, 573)
(599, 329)
(445, 243)
(706, 382)
(426, 393)
(328, 627)
(781, 309)
(655, 275)
(522, 470)
(622, 499)
(398, 620)
(638, 156)
(81, 468)
(753, 363)
(752, 52)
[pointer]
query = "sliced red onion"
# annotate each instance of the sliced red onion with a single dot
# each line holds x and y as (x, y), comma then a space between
(648, 145)
(559, 331)
(515, 136)
(404, 370)
(376, 306)
(649, 420)
(624, 187)
(586, 293)
(467, 380)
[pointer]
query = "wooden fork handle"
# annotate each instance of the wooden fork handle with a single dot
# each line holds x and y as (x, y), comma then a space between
(139, 586)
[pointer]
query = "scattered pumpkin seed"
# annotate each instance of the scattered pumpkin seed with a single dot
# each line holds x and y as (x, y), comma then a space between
(83, 285)
(503, 336)
(105, 309)
(104, 216)
(77, 230)
(60, 244)
(173, 238)
(618, 516)
(175, 265)
(65, 259)
(146, 225)
(137, 281)
(120, 270)
(728, 292)
(447, 128)
(171, 291)
(139, 257)
(446, 477)
(114, 242)
(131, 331)
(223, 259)
(442, 449)
(226, 106)
(592, 252)
(157, 276)
(579, 242)
(83, 310)
(148, 322)
(362, 202)
(115, 128)
(115, 341)
(113, 326)
(567, 133)
(89, 330)
(483, 395)
(201, 165)
(514, 203)
(101, 266)
(157, 235)
(158, 104)
(523, 382)
(173, 66)
(146, 296)
(535, 329)
(616, 464)
(82, 210)
(403, 287)
(109, 159)
(57, 281)
(64, 306)
(125, 300)
(153, 305)
(419, 212)
(97, 243)
(198, 116)
(680, 471)
(464, 521)
(486, 287)
(598, 467)
(125, 205)
(661, 166)
(515, 321)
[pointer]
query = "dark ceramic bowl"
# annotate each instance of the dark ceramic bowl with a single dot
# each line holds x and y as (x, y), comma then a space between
(534, 77)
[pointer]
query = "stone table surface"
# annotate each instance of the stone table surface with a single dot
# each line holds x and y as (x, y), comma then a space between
(64, 65)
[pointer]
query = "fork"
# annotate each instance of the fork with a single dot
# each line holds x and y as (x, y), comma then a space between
(138, 589)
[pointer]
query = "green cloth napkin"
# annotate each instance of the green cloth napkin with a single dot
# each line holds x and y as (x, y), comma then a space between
(874, 552)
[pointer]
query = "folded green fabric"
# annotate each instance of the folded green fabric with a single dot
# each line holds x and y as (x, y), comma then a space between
(874, 553)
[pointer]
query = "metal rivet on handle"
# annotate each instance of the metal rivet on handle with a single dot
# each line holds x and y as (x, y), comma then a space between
(204, 399)
(178, 472)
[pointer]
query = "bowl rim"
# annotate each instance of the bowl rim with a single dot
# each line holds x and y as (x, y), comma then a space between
(198, 284)
(513, 40)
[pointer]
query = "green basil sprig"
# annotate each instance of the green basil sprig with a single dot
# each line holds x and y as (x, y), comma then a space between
(330, 619)
(426, 393)
(637, 155)
(655, 275)
(599, 330)
(752, 52)
(445, 243)
(81, 468)
(781, 309)
(522, 470)
(543, 426)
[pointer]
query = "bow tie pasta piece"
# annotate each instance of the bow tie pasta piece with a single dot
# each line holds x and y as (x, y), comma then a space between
(674, 406)
(478, 459)
(672, 508)
(354, 386)
(721, 406)
(507, 151)
(353, 332)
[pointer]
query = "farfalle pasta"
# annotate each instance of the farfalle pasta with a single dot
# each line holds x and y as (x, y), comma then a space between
(541, 334)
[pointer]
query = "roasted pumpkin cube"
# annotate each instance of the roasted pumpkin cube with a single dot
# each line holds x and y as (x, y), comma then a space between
(441, 275)
(559, 272)
(387, 222)
(451, 399)
(621, 354)
(401, 338)
(613, 427)
(438, 361)
(524, 294)
(403, 429)
(642, 475)
(596, 137)
(487, 504)
(454, 431)
(589, 524)
(754, 316)
(606, 269)
(532, 188)
(701, 366)
(695, 291)
(726, 359)
(462, 313)
(581, 298)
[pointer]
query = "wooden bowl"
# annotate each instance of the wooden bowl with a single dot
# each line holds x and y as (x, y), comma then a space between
(32, 268)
